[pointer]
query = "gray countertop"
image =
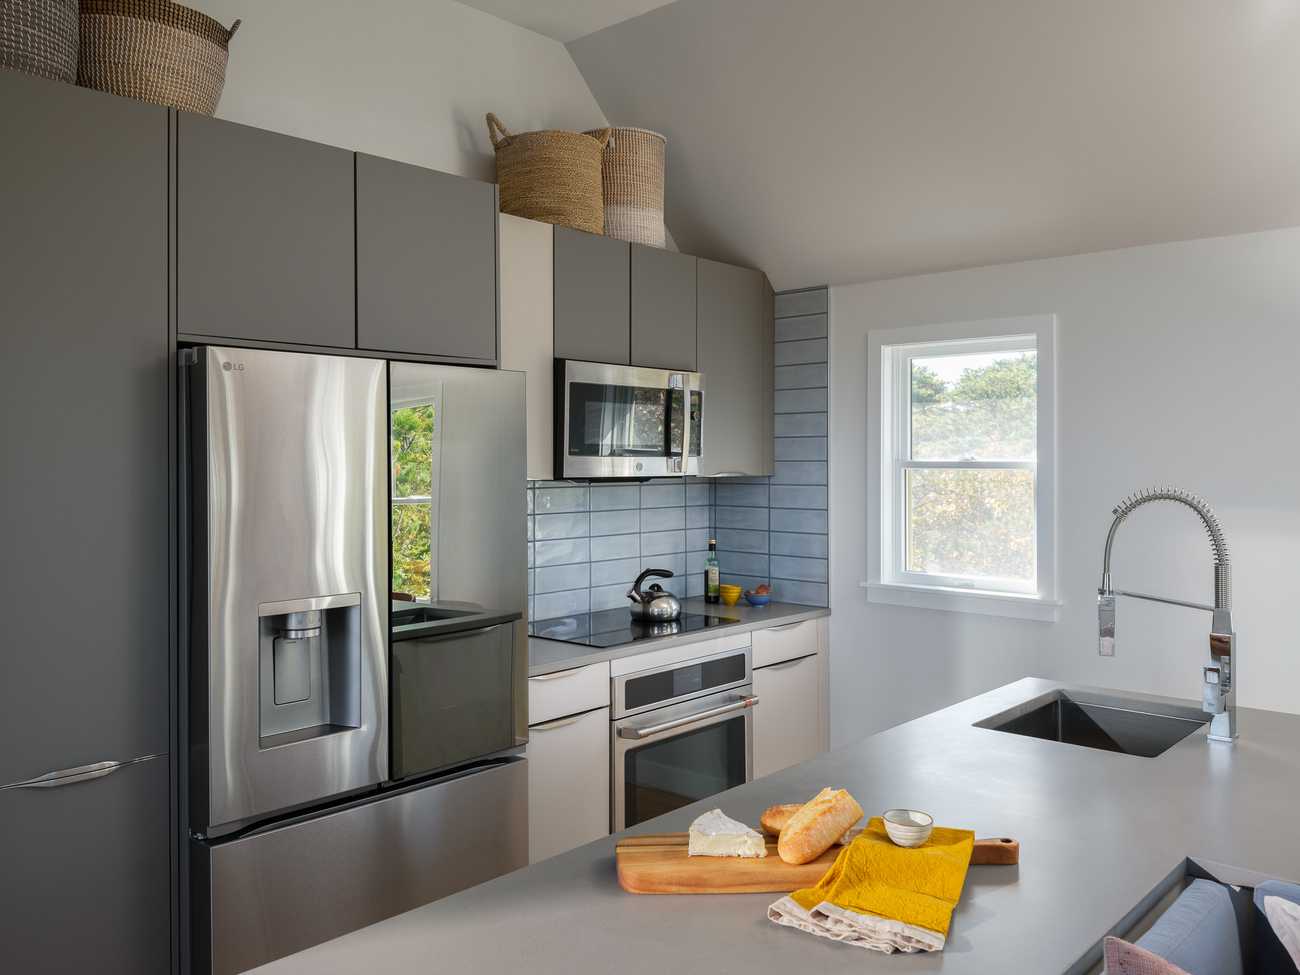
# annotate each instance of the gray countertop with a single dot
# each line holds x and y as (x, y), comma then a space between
(1098, 832)
(548, 656)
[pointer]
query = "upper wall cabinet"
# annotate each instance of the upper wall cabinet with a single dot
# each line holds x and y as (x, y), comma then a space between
(663, 309)
(527, 329)
(264, 237)
(592, 282)
(736, 357)
(426, 261)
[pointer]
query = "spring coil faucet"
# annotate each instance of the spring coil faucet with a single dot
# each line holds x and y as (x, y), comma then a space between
(1218, 689)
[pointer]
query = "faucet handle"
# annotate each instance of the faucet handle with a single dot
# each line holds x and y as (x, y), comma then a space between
(1214, 690)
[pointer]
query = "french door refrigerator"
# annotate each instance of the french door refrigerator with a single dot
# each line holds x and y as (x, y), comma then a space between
(310, 812)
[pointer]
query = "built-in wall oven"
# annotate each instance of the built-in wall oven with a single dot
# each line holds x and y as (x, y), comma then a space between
(680, 732)
(626, 421)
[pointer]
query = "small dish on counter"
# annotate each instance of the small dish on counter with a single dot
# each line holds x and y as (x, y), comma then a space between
(757, 598)
(908, 827)
(730, 594)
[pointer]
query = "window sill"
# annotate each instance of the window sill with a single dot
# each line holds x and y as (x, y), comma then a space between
(1005, 604)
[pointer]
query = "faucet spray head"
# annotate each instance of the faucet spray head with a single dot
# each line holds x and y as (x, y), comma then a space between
(1106, 622)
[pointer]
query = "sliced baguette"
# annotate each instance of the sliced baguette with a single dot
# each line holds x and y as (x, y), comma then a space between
(774, 819)
(815, 827)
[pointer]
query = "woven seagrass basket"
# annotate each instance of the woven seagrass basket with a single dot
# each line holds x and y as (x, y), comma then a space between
(40, 37)
(632, 172)
(551, 175)
(155, 51)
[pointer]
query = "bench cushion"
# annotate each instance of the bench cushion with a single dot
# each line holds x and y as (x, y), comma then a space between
(1272, 957)
(1198, 932)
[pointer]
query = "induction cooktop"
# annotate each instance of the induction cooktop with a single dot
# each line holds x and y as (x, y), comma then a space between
(615, 627)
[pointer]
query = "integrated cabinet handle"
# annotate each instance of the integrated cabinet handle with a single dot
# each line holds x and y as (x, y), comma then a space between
(68, 776)
(558, 723)
(784, 664)
(558, 674)
(788, 626)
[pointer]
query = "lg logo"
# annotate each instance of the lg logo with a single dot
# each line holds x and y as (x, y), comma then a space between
(233, 366)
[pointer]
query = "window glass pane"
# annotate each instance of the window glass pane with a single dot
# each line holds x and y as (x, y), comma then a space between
(411, 538)
(972, 523)
(412, 433)
(975, 406)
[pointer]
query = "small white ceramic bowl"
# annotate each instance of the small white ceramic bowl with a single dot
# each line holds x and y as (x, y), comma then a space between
(908, 827)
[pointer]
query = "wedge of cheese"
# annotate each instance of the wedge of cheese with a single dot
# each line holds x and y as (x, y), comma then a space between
(717, 835)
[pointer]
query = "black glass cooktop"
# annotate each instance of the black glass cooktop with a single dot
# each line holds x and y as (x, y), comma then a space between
(615, 627)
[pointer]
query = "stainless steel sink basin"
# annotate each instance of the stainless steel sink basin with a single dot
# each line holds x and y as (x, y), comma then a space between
(1113, 724)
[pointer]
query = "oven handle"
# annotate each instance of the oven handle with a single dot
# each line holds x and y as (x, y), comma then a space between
(656, 729)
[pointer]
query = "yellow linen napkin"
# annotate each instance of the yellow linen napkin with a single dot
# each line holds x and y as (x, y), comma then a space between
(882, 896)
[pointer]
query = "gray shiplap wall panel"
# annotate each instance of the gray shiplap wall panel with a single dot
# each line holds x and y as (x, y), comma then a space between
(800, 401)
(801, 424)
(807, 376)
(801, 448)
(795, 353)
(800, 328)
(807, 301)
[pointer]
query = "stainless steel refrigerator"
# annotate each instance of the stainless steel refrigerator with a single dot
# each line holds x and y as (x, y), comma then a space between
(355, 716)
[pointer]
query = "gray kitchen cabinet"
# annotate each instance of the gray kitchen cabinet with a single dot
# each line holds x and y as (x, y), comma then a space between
(84, 588)
(663, 308)
(736, 357)
(87, 874)
(265, 236)
(426, 261)
(787, 720)
(592, 288)
(568, 783)
(527, 282)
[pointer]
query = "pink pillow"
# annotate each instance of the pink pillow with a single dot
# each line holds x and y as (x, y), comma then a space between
(1123, 958)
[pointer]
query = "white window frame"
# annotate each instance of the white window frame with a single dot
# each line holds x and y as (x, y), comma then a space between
(890, 352)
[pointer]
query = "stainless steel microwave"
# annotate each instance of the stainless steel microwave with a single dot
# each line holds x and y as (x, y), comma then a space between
(626, 421)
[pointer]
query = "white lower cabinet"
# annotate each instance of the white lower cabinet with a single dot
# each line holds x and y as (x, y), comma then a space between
(787, 720)
(568, 783)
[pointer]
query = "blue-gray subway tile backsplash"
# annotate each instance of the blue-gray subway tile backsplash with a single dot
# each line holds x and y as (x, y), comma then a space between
(805, 301)
(556, 578)
(728, 517)
(798, 543)
(799, 472)
(699, 517)
(800, 328)
(562, 551)
(615, 522)
(807, 520)
(547, 606)
(605, 497)
(794, 353)
(614, 572)
(811, 593)
(741, 540)
(800, 401)
(699, 493)
(800, 448)
(663, 495)
(675, 563)
(562, 526)
(791, 567)
(615, 547)
(798, 496)
(662, 519)
(554, 500)
(801, 377)
(662, 543)
(800, 425)
(744, 495)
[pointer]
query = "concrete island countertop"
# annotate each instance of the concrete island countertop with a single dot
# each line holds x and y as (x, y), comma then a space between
(1099, 831)
(548, 656)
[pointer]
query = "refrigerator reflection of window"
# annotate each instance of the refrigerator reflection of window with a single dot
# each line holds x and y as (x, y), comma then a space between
(416, 442)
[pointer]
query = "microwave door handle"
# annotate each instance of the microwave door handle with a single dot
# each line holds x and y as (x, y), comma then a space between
(677, 383)
(637, 734)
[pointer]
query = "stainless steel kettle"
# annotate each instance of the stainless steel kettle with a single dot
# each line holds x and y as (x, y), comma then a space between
(655, 604)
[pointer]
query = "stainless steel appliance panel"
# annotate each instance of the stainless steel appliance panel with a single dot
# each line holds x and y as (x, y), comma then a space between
(278, 892)
(289, 489)
(479, 544)
(614, 421)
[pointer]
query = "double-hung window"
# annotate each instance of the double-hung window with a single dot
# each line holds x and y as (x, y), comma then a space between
(962, 479)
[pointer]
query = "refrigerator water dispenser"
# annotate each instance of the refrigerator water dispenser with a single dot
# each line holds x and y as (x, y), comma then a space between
(310, 666)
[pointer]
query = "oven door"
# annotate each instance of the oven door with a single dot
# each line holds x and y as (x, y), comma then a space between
(625, 421)
(666, 759)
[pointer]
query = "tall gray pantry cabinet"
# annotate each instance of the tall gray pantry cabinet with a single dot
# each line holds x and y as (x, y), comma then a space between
(85, 872)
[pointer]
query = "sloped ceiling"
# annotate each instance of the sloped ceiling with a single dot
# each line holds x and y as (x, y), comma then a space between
(848, 140)
(565, 20)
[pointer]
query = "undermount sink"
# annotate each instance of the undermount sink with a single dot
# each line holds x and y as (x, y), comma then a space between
(427, 614)
(1113, 724)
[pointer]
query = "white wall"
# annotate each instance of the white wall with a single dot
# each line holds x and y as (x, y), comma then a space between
(1178, 364)
(405, 79)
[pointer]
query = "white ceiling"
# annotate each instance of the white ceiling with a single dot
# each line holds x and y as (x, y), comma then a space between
(565, 20)
(846, 140)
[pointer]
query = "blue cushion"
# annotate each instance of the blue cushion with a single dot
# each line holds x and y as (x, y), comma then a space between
(1271, 958)
(1199, 932)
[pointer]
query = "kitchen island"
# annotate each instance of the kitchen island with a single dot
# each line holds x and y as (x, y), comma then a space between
(1099, 832)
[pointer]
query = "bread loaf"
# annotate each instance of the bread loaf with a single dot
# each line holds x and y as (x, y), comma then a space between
(774, 819)
(812, 830)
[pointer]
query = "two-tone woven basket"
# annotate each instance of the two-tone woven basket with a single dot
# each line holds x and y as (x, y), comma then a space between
(155, 51)
(632, 172)
(552, 175)
(40, 37)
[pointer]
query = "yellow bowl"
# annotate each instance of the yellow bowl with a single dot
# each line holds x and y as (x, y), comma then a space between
(729, 598)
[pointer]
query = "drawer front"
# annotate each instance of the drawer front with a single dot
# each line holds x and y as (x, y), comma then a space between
(787, 720)
(568, 783)
(566, 692)
(778, 643)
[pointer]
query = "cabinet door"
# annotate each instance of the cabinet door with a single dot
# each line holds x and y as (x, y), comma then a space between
(83, 410)
(568, 783)
(735, 341)
(663, 309)
(87, 875)
(426, 261)
(787, 719)
(528, 329)
(264, 236)
(592, 289)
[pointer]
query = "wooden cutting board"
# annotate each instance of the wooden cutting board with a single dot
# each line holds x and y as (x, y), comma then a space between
(659, 864)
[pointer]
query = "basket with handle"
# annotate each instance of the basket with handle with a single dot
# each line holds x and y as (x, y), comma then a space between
(154, 51)
(40, 37)
(551, 175)
(632, 172)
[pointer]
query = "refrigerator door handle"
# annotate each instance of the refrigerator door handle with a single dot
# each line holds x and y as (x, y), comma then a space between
(71, 776)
